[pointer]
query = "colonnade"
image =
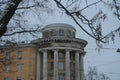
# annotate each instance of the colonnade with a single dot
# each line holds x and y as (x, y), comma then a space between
(78, 65)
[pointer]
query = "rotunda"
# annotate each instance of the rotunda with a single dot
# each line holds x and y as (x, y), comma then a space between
(60, 54)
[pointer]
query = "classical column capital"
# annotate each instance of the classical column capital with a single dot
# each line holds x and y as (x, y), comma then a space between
(44, 50)
(68, 50)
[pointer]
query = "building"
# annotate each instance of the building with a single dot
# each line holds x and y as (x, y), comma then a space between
(58, 55)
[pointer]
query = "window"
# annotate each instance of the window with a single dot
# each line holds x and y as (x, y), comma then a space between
(60, 65)
(7, 55)
(19, 54)
(7, 68)
(53, 32)
(61, 32)
(6, 78)
(46, 34)
(51, 77)
(52, 56)
(60, 77)
(51, 65)
(18, 78)
(19, 67)
(72, 56)
(73, 77)
(61, 55)
(68, 33)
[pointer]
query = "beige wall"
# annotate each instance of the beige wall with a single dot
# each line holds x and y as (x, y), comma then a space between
(28, 68)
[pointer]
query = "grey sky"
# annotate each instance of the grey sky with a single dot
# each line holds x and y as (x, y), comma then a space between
(108, 60)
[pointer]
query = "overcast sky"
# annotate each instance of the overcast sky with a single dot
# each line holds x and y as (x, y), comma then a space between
(108, 60)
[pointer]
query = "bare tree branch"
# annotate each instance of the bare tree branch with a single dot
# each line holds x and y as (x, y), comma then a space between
(10, 10)
(90, 5)
(68, 13)
(23, 31)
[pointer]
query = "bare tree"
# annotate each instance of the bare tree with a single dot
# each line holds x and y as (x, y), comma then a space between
(75, 10)
(12, 13)
(93, 74)
(17, 22)
(7, 13)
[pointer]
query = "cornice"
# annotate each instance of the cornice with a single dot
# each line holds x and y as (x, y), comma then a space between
(59, 39)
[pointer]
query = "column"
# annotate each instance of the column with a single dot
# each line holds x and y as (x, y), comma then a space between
(45, 65)
(77, 69)
(38, 67)
(67, 57)
(55, 65)
(81, 67)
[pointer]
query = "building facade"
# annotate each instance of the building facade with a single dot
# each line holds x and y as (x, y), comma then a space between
(58, 55)
(19, 62)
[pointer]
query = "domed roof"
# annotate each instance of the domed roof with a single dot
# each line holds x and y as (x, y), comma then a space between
(58, 26)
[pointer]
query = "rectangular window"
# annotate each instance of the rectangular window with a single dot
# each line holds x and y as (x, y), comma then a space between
(61, 32)
(52, 56)
(19, 54)
(51, 65)
(53, 32)
(7, 55)
(7, 68)
(61, 65)
(68, 33)
(19, 67)
(6, 78)
(60, 77)
(51, 77)
(61, 55)
(18, 78)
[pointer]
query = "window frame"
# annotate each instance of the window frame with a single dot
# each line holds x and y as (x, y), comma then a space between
(6, 78)
(52, 56)
(19, 67)
(7, 56)
(61, 55)
(51, 65)
(19, 55)
(7, 68)
(53, 32)
(19, 78)
(60, 65)
(61, 32)
(60, 77)
(51, 77)
(69, 33)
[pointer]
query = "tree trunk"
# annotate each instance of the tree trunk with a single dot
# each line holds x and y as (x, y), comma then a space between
(10, 10)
